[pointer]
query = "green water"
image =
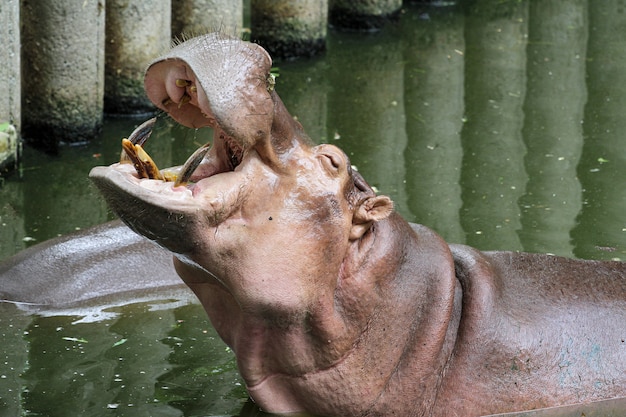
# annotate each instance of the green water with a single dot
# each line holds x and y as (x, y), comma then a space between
(499, 125)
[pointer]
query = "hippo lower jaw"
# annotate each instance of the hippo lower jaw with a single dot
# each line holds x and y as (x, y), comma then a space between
(216, 190)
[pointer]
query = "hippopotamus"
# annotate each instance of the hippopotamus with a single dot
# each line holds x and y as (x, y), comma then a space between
(333, 304)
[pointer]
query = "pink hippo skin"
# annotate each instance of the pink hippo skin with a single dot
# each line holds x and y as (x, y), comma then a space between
(333, 304)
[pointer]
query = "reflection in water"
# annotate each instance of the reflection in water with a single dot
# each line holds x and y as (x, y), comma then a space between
(366, 109)
(493, 175)
(471, 122)
(553, 111)
(433, 97)
(146, 362)
(13, 358)
(204, 375)
(603, 166)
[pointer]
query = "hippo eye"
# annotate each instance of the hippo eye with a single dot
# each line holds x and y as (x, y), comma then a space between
(330, 162)
(334, 161)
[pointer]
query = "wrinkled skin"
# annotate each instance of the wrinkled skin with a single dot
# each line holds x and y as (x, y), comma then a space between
(332, 303)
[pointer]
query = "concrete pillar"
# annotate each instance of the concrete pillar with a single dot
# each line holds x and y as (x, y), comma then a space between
(364, 15)
(10, 81)
(290, 28)
(137, 31)
(197, 17)
(63, 71)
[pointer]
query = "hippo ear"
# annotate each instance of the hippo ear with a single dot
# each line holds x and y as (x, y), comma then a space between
(369, 211)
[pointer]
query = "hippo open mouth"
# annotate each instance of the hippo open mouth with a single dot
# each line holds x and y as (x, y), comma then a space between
(132, 151)
(211, 81)
(173, 195)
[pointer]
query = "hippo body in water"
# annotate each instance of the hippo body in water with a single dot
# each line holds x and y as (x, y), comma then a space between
(333, 303)
(94, 266)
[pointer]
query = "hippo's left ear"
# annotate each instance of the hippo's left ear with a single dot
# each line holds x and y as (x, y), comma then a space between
(369, 211)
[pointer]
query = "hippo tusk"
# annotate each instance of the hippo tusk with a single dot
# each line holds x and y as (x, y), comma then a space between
(191, 164)
(133, 152)
(139, 136)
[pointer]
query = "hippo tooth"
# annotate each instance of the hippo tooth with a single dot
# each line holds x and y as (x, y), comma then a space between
(139, 136)
(186, 98)
(128, 149)
(191, 164)
(142, 133)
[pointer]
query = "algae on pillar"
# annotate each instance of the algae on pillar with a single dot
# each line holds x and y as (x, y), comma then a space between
(364, 15)
(136, 32)
(63, 71)
(290, 29)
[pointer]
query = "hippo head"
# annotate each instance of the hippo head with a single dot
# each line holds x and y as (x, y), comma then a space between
(261, 176)
(266, 220)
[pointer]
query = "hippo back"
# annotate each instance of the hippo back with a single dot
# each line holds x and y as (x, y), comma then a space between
(100, 262)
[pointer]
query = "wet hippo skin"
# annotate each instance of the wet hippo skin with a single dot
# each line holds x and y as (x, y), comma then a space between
(103, 261)
(607, 408)
(334, 304)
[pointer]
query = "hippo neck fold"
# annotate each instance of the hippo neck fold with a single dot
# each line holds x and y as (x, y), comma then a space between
(368, 292)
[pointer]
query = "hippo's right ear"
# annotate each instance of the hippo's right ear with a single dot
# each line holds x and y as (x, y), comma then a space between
(370, 210)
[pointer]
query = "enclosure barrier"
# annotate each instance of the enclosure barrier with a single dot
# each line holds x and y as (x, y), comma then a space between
(10, 84)
(74, 60)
